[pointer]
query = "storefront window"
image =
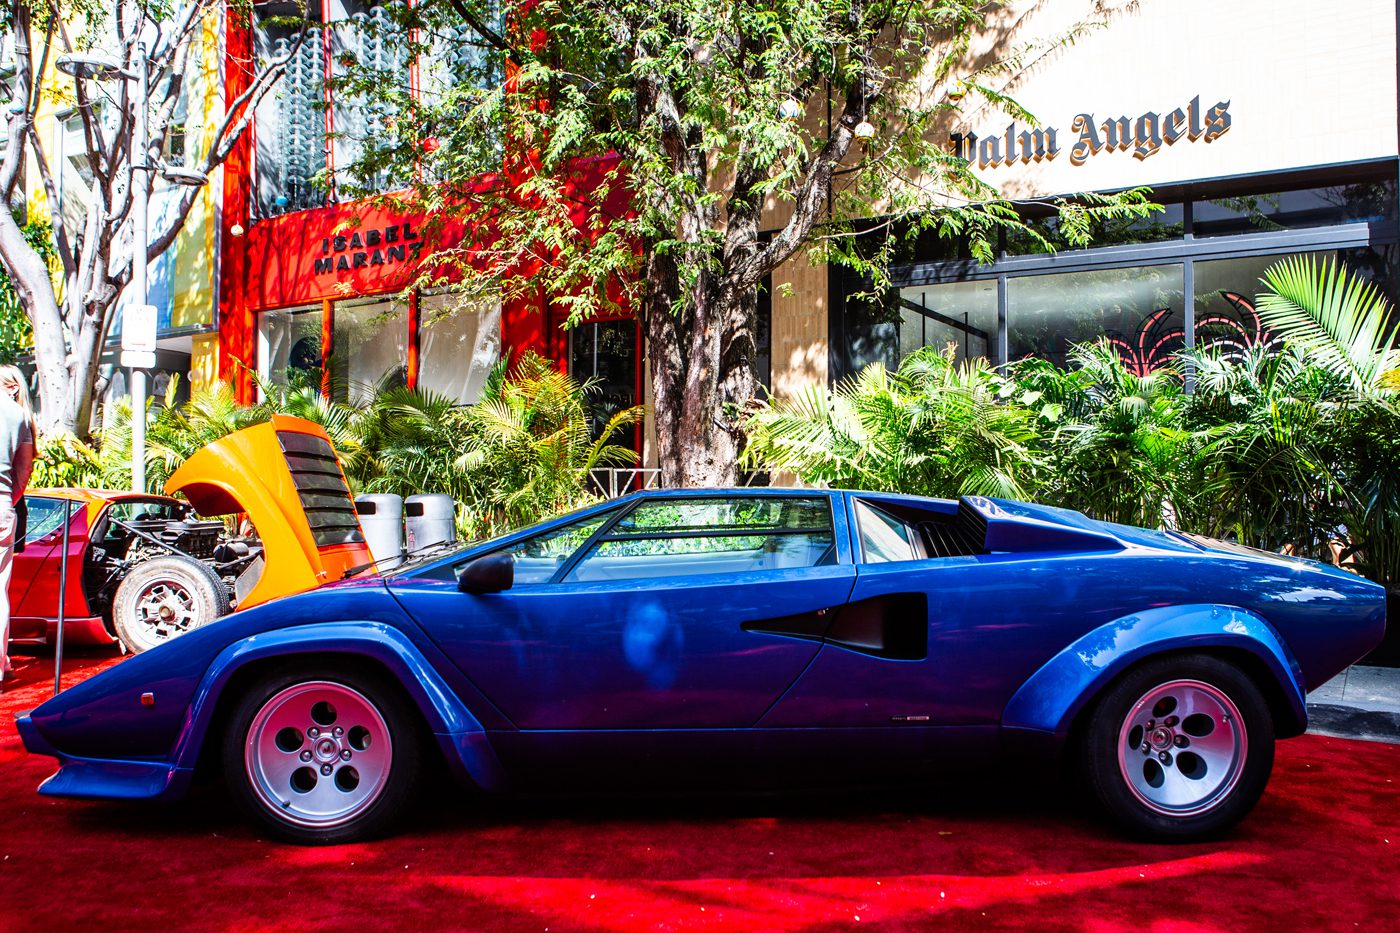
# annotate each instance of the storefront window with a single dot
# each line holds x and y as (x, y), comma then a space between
(458, 344)
(369, 347)
(289, 347)
(606, 353)
(963, 314)
(1139, 309)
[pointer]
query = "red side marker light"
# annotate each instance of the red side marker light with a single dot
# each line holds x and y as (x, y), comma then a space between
(148, 699)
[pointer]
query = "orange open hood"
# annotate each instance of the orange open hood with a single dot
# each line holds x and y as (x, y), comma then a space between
(285, 475)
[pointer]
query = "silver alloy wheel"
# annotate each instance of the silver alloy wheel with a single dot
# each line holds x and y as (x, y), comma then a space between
(166, 608)
(1182, 748)
(318, 754)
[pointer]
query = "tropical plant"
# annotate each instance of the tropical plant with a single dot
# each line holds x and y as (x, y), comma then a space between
(521, 453)
(937, 427)
(531, 445)
(1344, 325)
(1116, 447)
(1267, 472)
(1339, 321)
(173, 432)
(62, 460)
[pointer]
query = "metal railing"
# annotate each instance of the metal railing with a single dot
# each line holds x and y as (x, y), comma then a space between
(611, 482)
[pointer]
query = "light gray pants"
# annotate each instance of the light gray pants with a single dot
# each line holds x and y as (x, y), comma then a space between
(7, 553)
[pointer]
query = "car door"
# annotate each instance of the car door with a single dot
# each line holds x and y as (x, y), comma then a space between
(34, 574)
(644, 617)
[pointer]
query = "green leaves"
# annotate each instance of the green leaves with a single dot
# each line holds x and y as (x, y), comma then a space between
(935, 427)
(1342, 322)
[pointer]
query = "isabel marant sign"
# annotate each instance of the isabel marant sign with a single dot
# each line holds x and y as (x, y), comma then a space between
(1143, 136)
(376, 246)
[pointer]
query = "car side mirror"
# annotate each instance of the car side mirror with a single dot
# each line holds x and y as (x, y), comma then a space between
(490, 574)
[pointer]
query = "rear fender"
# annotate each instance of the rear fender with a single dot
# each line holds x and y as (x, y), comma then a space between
(461, 736)
(1050, 700)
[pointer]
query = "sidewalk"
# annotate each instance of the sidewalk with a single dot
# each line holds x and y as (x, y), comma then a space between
(1360, 703)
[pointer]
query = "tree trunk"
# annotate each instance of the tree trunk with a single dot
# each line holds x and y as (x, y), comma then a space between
(702, 373)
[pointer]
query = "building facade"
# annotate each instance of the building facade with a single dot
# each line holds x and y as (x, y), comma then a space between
(1264, 129)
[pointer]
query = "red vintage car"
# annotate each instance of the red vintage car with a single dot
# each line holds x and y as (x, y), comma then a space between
(143, 569)
(108, 559)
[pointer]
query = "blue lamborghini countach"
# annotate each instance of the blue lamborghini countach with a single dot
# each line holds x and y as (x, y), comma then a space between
(739, 638)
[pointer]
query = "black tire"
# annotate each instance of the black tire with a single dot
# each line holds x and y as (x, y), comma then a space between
(165, 597)
(289, 809)
(1149, 781)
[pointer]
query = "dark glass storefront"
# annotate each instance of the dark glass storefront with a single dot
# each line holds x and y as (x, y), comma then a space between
(1131, 286)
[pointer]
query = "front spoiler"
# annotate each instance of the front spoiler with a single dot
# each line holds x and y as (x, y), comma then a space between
(105, 778)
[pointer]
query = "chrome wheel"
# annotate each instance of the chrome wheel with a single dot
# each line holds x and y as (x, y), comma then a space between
(166, 608)
(1182, 748)
(318, 754)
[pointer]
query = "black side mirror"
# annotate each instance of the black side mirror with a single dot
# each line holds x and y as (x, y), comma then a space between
(490, 574)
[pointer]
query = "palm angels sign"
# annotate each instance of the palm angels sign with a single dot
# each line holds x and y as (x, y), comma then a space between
(1144, 136)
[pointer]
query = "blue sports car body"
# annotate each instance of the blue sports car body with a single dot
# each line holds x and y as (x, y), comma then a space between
(759, 637)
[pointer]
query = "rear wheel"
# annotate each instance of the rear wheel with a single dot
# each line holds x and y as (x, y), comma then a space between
(164, 597)
(1179, 748)
(322, 756)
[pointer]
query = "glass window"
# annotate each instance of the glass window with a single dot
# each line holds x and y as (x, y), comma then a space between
(537, 559)
(458, 344)
(1291, 210)
(371, 35)
(45, 517)
(290, 142)
(1139, 309)
(289, 346)
(688, 537)
(963, 314)
(883, 538)
(369, 347)
(605, 353)
(1167, 224)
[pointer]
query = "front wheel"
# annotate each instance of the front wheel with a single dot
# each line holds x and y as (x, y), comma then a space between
(322, 757)
(1179, 748)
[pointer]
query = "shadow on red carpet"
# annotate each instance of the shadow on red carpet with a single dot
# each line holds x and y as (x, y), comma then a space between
(1322, 851)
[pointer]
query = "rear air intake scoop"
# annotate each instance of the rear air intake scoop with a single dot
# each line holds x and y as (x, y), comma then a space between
(1004, 526)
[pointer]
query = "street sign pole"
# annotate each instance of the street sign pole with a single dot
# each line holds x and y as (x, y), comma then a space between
(139, 319)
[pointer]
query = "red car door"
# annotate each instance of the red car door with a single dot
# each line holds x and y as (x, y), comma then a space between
(35, 572)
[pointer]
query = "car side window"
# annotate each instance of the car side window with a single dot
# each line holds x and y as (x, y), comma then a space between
(45, 516)
(883, 538)
(537, 559)
(686, 537)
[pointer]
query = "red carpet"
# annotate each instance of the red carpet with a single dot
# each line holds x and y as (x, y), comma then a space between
(1322, 851)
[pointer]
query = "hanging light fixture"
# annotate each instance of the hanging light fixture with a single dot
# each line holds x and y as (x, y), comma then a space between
(956, 92)
(864, 131)
(790, 109)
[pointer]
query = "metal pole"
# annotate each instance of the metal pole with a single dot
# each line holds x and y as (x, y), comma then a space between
(140, 259)
(62, 596)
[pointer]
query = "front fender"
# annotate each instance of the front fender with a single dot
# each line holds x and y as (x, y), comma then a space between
(460, 734)
(1050, 700)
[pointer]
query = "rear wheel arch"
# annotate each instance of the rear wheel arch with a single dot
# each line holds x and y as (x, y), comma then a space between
(1286, 721)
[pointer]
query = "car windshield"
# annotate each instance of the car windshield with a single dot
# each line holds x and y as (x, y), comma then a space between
(436, 552)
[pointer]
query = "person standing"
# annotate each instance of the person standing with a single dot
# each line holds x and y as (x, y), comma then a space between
(16, 463)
